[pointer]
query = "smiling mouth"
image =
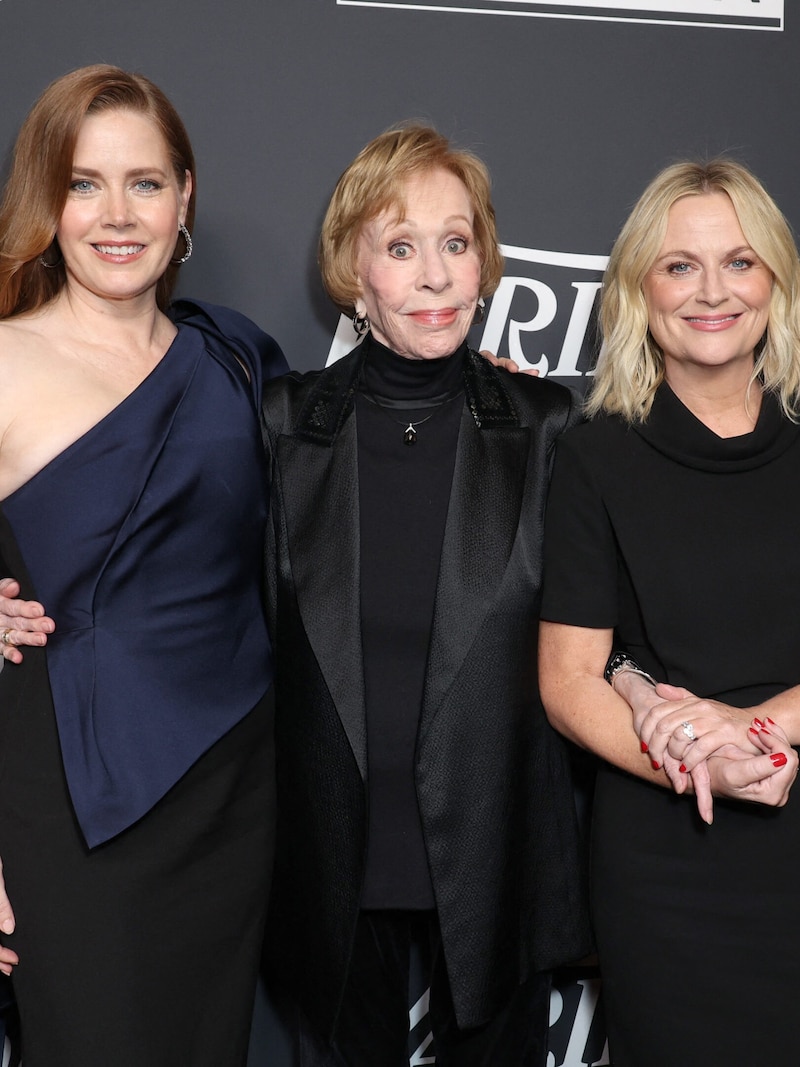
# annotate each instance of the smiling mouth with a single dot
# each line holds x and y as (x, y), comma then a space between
(436, 317)
(705, 320)
(119, 250)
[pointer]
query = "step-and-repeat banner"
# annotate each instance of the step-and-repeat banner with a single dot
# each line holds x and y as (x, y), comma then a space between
(573, 105)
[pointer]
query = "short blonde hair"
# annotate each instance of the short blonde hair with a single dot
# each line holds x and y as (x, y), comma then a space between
(631, 364)
(37, 188)
(374, 182)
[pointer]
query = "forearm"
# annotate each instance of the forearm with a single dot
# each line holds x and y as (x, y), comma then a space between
(581, 705)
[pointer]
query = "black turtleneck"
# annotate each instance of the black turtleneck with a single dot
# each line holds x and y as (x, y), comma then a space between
(404, 491)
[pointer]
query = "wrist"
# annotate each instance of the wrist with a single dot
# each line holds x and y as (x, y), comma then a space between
(621, 664)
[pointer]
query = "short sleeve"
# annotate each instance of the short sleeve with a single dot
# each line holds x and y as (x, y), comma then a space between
(580, 555)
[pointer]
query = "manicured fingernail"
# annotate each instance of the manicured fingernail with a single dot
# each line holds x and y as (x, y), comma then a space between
(778, 759)
(682, 768)
(643, 745)
(753, 730)
(758, 722)
(766, 731)
(655, 764)
(770, 721)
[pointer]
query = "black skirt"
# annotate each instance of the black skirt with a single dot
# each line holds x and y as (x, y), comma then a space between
(144, 950)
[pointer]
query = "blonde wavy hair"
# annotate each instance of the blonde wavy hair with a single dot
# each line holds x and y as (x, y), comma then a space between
(375, 182)
(41, 171)
(630, 367)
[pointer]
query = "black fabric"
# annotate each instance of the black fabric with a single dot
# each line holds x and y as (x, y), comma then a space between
(374, 1024)
(403, 495)
(686, 544)
(144, 950)
(492, 778)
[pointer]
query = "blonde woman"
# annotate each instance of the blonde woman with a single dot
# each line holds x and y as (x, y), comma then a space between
(672, 538)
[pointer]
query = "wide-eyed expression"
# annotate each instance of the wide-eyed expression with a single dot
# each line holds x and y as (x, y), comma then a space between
(420, 274)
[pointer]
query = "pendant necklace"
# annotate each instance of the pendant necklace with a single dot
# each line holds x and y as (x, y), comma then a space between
(410, 431)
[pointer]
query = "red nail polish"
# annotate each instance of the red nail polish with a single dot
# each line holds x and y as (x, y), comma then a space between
(682, 768)
(753, 730)
(643, 745)
(766, 731)
(758, 722)
(778, 759)
(770, 721)
(657, 765)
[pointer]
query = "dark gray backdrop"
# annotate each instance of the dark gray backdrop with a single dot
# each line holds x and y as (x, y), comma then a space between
(573, 117)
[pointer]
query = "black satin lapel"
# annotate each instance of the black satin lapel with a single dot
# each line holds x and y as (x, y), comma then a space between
(322, 523)
(482, 522)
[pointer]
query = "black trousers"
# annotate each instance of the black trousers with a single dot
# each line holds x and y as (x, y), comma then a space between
(373, 1027)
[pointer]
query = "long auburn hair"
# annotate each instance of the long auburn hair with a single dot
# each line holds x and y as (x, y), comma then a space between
(38, 185)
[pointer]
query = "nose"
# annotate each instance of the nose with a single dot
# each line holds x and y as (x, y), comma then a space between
(434, 273)
(713, 288)
(117, 209)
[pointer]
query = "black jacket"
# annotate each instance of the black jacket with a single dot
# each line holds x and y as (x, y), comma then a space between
(492, 777)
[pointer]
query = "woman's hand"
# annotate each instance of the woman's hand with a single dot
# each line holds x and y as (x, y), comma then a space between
(507, 363)
(766, 778)
(690, 729)
(22, 622)
(8, 957)
(648, 706)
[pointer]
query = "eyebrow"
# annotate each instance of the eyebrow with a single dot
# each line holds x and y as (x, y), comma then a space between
(451, 220)
(138, 172)
(683, 253)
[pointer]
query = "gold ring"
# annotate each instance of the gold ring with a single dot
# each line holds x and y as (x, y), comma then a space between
(4, 636)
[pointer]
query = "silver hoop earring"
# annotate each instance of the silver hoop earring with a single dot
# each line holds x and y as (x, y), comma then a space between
(360, 324)
(56, 262)
(187, 237)
(480, 312)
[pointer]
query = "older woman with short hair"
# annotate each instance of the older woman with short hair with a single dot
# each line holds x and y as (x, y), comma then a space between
(672, 537)
(422, 793)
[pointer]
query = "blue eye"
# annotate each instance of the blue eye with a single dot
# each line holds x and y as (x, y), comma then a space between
(679, 268)
(147, 185)
(82, 185)
(740, 263)
(400, 250)
(456, 245)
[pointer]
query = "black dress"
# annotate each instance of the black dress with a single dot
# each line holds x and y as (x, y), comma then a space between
(687, 545)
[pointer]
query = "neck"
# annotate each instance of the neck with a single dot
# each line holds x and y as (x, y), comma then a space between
(729, 413)
(388, 375)
(135, 323)
(727, 403)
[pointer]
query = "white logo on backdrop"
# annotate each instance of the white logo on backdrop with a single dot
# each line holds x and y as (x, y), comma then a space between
(739, 14)
(541, 315)
(577, 1033)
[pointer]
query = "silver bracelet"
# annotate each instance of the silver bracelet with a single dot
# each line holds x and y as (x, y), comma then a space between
(621, 663)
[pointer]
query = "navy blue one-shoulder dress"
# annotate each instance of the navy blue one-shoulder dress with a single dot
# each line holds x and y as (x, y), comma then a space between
(136, 776)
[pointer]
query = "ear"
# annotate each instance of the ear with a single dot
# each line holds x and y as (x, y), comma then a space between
(185, 195)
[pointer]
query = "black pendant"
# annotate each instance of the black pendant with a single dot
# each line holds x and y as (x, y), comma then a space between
(410, 434)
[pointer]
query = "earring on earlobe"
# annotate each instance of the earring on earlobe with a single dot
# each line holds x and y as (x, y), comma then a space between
(360, 324)
(187, 237)
(480, 312)
(56, 262)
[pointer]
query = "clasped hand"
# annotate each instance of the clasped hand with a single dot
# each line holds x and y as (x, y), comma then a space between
(727, 752)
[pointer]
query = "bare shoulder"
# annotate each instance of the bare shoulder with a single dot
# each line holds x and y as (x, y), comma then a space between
(22, 340)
